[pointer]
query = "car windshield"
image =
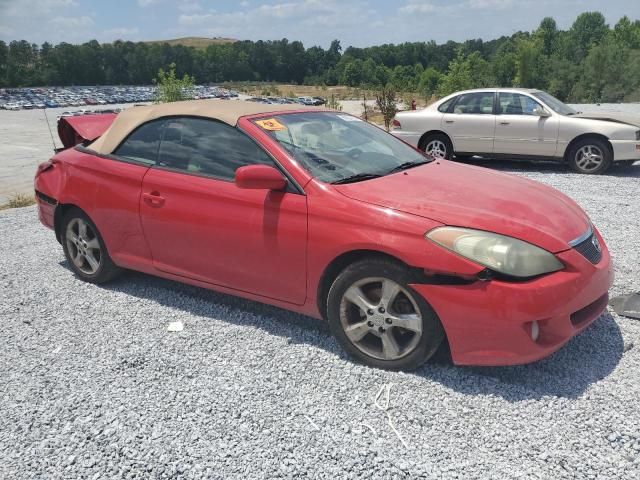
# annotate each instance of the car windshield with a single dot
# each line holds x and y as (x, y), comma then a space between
(335, 147)
(554, 104)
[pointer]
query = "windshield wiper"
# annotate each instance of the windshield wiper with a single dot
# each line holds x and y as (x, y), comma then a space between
(407, 165)
(356, 178)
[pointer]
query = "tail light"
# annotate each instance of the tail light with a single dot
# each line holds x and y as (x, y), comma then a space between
(396, 123)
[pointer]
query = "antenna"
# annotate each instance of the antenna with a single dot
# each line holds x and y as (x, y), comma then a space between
(53, 142)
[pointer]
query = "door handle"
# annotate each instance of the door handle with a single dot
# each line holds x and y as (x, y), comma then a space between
(504, 123)
(153, 198)
(449, 121)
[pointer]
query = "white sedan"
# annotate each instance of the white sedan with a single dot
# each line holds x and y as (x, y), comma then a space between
(520, 123)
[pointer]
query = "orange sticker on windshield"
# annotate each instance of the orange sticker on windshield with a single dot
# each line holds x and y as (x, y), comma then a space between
(271, 124)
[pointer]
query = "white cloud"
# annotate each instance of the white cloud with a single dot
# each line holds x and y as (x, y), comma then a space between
(72, 22)
(414, 7)
(146, 3)
(119, 33)
(294, 19)
(490, 4)
(189, 6)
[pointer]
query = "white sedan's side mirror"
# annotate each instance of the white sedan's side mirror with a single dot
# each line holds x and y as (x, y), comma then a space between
(541, 112)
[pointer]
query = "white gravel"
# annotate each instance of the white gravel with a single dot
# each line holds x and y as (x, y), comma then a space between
(93, 386)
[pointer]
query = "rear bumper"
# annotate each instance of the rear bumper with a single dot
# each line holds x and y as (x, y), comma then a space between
(626, 149)
(46, 210)
(489, 323)
(412, 138)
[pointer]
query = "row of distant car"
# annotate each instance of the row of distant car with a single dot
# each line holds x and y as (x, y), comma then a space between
(55, 97)
(315, 101)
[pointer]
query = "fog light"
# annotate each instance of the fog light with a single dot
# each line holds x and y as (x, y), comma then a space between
(535, 331)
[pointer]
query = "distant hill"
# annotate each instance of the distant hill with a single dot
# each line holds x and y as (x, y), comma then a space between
(197, 42)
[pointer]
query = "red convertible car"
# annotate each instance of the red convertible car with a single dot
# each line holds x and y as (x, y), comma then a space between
(318, 212)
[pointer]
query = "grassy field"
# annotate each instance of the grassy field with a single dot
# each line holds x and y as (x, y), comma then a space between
(196, 42)
(18, 200)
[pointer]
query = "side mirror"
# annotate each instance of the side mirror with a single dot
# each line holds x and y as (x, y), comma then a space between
(260, 177)
(541, 112)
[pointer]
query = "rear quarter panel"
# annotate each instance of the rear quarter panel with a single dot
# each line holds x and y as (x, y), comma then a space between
(414, 124)
(109, 192)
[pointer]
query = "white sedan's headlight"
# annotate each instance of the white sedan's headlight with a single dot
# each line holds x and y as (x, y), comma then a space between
(499, 253)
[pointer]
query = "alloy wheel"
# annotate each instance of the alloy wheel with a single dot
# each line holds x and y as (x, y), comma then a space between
(589, 158)
(436, 148)
(381, 318)
(83, 246)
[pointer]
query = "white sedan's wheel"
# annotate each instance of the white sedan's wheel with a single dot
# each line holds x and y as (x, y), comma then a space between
(436, 148)
(437, 145)
(590, 156)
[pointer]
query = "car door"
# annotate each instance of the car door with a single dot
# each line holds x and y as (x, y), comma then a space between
(200, 225)
(470, 122)
(519, 131)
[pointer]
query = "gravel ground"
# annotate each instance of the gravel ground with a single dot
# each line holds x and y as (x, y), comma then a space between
(93, 386)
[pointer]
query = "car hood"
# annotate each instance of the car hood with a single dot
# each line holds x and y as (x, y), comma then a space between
(474, 197)
(624, 118)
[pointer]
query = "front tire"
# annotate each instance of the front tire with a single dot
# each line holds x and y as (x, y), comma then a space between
(437, 145)
(379, 320)
(590, 156)
(85, 250)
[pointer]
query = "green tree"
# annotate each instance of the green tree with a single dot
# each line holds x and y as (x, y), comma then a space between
(458, 76)
(548, 34)
(604, 74)
(530, 65)
(590, 28)
(4, 57)
(626, 33)
(429, 82)
(170, 88)
(388, 105)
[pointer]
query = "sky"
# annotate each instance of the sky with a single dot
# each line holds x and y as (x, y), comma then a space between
(315, 22)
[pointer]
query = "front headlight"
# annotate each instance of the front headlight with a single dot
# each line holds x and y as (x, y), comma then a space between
(499, 253)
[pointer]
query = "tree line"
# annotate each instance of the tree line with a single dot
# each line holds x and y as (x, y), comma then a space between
(589, 62)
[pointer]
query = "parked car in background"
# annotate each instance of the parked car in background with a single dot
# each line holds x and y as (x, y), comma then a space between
(324, 214)
(520, 123)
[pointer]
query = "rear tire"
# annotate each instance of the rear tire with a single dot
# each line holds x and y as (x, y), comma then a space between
(85, 250)
(590, 156)
(379, 320)
(437, 145)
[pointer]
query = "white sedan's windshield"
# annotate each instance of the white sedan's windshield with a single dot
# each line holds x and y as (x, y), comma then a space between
(554, 104)
(339, 148)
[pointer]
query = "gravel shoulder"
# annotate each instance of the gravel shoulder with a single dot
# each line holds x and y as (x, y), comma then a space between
(93, 385)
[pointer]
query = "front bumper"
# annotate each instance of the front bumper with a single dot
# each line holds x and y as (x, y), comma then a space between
(489, 323)
(626, 149)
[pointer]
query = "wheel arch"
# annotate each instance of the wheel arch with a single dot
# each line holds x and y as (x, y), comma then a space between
(434, 132)
(584, 136)
(338, 264)
(59, 213)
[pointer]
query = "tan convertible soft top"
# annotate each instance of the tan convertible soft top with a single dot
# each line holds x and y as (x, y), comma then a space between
(226, 111)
